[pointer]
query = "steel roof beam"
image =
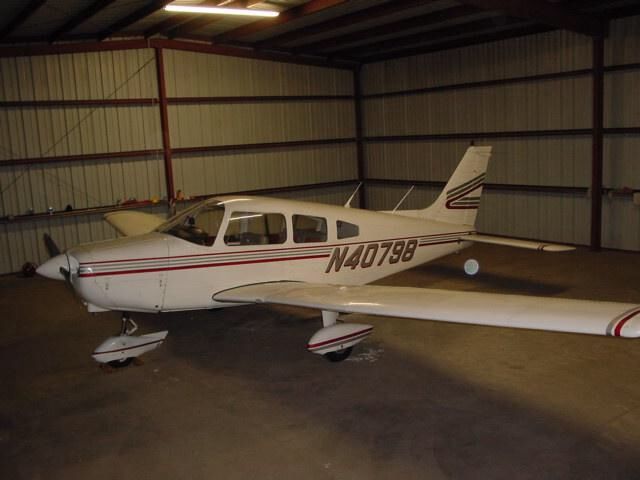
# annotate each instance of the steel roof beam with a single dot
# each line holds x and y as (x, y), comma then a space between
(22, 17)
(96, 7)
(287, 16)
(167, 24)
(132, 18)
(350, 19)
(540, 11)
(427, 36)
(431, 18)
(458, 43)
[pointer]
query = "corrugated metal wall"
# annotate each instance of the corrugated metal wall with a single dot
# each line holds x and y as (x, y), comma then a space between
(44, 131)
(29, 132)
(51, 131)
(217, 121)
(551, 104)
(621, 219)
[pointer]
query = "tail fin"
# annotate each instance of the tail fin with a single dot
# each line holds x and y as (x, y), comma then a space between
(459, 201)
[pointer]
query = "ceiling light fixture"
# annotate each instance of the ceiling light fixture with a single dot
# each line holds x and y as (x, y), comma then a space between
(221, 10)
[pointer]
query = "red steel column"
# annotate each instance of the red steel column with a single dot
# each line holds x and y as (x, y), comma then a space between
(597, 133)
(164, 122)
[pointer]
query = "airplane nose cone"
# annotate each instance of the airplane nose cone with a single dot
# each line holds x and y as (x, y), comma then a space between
(51, 268)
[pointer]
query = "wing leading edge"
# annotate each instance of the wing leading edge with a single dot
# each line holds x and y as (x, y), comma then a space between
(498, 310)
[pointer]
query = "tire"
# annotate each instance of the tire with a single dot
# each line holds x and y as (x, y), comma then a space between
(120, 363)
(339, 355)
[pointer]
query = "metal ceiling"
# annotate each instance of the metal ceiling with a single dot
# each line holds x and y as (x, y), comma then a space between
(358, 31)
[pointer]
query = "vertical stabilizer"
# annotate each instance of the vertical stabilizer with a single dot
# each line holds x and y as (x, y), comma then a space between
(459, 201)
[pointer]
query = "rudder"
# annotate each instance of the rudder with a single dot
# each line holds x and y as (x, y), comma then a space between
(459, 200)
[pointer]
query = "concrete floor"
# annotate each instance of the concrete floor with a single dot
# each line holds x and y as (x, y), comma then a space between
(233, 394)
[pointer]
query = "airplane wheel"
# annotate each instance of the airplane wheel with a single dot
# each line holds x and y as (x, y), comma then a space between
(121, 363)
(339, 355)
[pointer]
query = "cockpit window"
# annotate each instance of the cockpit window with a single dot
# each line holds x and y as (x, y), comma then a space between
(346, 229)
(198, 225)
(308, 229)
(254, 228)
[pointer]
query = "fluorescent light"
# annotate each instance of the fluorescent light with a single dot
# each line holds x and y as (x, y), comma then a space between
(221, 10)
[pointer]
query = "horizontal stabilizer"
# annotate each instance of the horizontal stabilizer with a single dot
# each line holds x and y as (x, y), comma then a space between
(131, 223)
(517, 243)
(490, 309)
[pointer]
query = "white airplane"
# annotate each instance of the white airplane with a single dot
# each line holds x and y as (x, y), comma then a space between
(234, 250)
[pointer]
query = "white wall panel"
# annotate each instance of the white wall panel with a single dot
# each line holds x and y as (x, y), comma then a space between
(192, 74)
(22, 241)
(198, 174)
(556, 217)
(621, 166)
(621, 223)
(531, 55)
(623, 42)
(93, 75)
(622, 99)
(556, 161)
(331, 195)
(53, 131)
(546, 105)
(81, 184)
(543, 105)
(230, 124)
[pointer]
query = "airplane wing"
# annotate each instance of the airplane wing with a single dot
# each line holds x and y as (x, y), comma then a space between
(514, 242)
(515, 311)
(130, 223)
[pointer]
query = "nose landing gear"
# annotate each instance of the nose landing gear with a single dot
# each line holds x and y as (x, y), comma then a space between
(121, 350)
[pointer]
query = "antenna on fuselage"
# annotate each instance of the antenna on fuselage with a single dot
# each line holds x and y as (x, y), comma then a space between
(348, 204)
(403, 199)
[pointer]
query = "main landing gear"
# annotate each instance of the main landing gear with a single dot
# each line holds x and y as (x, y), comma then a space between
(121, 350)
(335, 341)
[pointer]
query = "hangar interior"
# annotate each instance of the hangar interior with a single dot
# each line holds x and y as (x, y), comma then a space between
(313, 103)
(111, 105)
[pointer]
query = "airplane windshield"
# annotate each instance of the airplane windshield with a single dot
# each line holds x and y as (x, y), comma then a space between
(198, 224)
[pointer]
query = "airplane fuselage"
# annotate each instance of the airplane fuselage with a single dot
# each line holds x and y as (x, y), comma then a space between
(158, 271)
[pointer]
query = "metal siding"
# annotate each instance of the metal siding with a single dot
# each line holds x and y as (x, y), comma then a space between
(557, 217)
(622, 45)
(50, 131)
(537, 105)
(53, 131)
(199, 174)
(331, 195)
(196, 125)
(536, 54)
(93, 75)
(191, 74)
(622, 99)
(621, 218)
(22, 241)
(621, 223)
(555, 161)
(81, 184)
(621, 168)
(543, 105)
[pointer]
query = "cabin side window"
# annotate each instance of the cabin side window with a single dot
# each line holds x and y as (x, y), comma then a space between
(254, 228)
(308, 229)
(199, 226)
(346, 229)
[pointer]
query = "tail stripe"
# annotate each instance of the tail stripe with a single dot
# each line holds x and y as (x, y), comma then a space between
(459, 201)
(479, 180)
(462, 201)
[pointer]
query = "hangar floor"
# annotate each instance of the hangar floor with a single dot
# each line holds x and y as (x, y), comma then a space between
(233, 394)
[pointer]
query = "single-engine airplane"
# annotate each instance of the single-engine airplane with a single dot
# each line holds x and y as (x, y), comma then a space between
(234, 250)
